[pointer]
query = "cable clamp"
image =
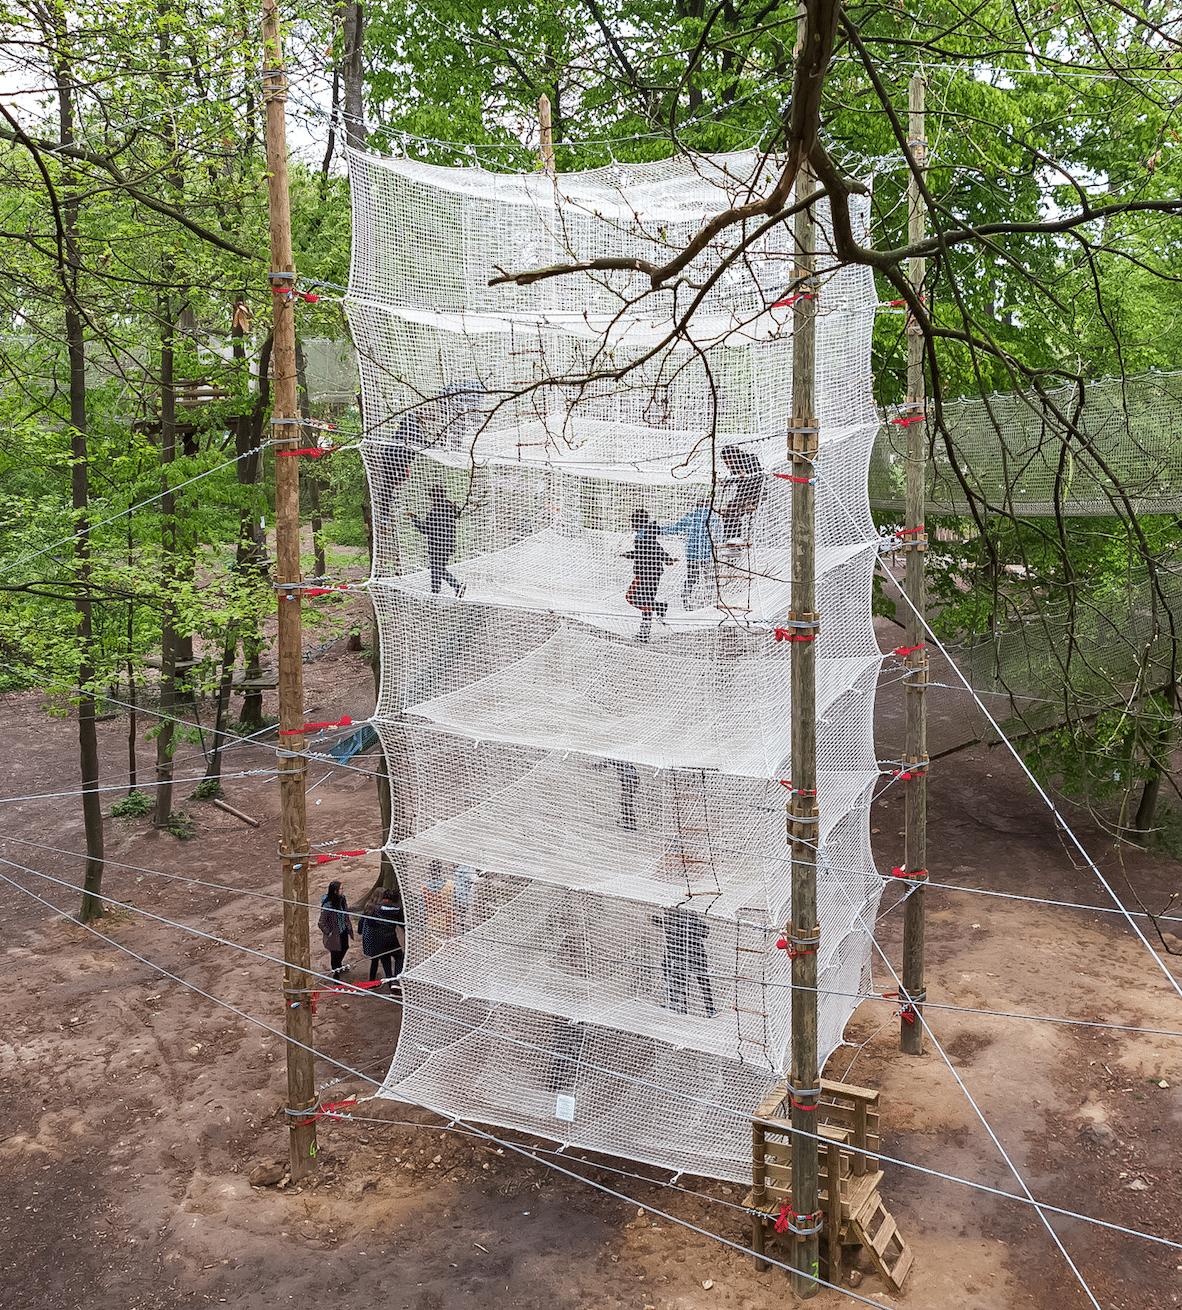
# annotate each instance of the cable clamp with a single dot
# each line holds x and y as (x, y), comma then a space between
(274, 273)
(799, 946)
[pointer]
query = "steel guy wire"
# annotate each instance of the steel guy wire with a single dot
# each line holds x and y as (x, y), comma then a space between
(532, 945)
(1059, 819)
(322, 756)
(91, 527)
(918, 1017)
(122, 786)
(531, 1046)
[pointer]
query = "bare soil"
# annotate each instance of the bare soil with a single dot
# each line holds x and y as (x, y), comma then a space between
(142, 1089)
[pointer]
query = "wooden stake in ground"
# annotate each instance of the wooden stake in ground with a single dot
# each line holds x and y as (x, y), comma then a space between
(915, 752)
(804, 1085)
(292, 763)
(547, 134)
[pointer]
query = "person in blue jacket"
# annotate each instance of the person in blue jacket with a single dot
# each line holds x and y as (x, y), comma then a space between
(701, 528)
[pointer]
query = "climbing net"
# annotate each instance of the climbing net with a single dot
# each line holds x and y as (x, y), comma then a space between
(582, 574)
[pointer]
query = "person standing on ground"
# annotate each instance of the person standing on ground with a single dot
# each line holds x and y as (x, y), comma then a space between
(336, 928)
(379, 935)
(439, 527)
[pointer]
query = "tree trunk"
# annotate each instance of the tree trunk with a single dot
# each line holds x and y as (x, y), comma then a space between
(68, 273)
(168, 634)
(251, 559)
(1160, 752)
(353, 70)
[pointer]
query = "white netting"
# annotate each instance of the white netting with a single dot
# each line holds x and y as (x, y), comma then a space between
(581, 561)
(1113, 446)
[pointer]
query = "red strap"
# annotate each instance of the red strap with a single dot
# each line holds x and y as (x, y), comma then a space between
(791, 300)
(787, 477)
(907, 650)
(313, 452)
(346, 722)
(797, 791)
(906, 422)
(340, 855)
(785, 634)
(906, 532)
(324, 591)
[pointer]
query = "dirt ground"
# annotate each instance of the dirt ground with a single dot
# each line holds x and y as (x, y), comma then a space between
(142, 1092)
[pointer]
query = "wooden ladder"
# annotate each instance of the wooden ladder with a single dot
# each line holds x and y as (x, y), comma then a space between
(874, 1226)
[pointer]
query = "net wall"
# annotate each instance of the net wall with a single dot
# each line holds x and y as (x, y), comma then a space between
(1113, 447)
(581, 560)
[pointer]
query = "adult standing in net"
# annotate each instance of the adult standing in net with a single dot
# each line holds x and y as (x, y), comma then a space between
(336, 928)
(744, 492)
(685, 956)
(701, 528)
(649, 560)
(439, 527)
(394, 462)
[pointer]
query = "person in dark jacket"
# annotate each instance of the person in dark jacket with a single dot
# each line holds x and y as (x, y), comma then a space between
(439, 527)
(336, 928)
(379, 936)
(685, 954)
(394, 462)
(745, 491)
(649, 560)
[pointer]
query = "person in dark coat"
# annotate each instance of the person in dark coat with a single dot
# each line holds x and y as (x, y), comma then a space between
(649, 560)
(336, 928)
(745, 491)
(395, 459)
(685, 954)
(379, 936)
(439, 527)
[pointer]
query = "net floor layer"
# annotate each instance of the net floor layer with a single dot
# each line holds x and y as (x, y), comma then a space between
(582, 581)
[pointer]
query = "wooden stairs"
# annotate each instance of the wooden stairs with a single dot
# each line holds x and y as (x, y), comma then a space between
(852, 1209)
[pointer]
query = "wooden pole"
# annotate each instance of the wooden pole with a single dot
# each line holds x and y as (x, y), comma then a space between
(915, 753)
(292, 764)
(804, 1084)
(547, 150)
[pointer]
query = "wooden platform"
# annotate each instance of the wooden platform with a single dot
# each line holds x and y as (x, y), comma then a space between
(849, 1201)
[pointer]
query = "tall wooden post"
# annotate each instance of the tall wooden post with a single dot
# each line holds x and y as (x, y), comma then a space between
(804, 1085)
(547, 134)
(915, 753)
(292, 764)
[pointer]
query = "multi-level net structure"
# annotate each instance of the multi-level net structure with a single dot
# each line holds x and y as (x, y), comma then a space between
(582, 573)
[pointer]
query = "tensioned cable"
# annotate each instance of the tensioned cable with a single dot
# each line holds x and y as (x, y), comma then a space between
(533, 945)
(1062, 822)
(91, 527)
(531, 1046)
(505, 1143)
(234, 740)
(917, 1017)
(122, 786)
